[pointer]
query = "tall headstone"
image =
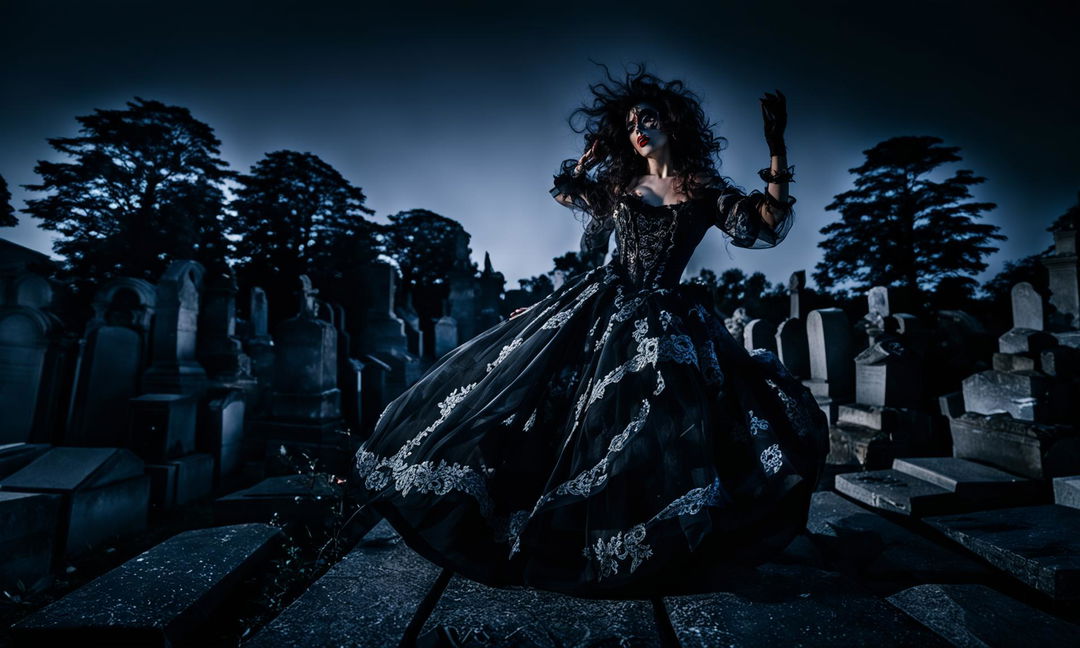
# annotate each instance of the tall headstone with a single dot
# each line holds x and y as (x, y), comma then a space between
(305, 364)
(175, 368)
(463, 289)
(490, 288)
(384, 333)
(260, 348)
(1027, 307)
(219, 350)
(791, 343)
(831, 368)
(413, 332)
(28, 359)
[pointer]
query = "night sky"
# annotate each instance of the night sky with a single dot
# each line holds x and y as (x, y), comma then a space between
(461, 107)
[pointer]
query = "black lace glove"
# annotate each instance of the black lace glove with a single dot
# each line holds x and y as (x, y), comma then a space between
(774, 113)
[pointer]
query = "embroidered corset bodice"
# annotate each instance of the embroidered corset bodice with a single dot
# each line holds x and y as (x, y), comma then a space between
(655, 242)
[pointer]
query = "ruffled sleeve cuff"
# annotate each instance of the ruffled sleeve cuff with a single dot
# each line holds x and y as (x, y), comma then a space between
(739, 216)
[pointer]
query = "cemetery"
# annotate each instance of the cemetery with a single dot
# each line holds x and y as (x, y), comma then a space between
(176, 473)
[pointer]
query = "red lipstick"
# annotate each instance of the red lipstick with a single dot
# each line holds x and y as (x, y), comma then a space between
(642, 140)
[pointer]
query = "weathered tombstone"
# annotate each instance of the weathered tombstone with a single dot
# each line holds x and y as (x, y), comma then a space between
(159, 598)
(886, 375)
(384, 333)
(1027, 307)
(831, 367)
(106, 379)
(462, 280)
(490, 286)
(28, 366)
(28, 524)
(407, 312)
(759, 334)
(30, 289)
(105, 493)
(446, 335)
(792, 348)
(175, 369)
(127, 302)
(374, 396)
(305, 365)
(224, 434)
(796, 298)
(219, 350)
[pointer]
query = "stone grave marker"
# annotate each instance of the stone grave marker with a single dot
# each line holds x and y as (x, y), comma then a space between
(105, 493)
(158, 598)
(175, 368)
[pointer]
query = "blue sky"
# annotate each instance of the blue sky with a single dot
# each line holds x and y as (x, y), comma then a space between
(461, 108)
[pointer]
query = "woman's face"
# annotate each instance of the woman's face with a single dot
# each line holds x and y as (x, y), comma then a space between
(643, 129)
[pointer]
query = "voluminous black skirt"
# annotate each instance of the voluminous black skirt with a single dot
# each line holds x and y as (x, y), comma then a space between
(610, 442)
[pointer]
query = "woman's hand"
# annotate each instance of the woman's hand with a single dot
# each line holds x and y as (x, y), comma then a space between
(589, 159)
(774, 113)
(518, 311)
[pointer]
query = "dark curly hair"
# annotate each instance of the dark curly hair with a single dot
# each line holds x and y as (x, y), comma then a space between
(694, 148)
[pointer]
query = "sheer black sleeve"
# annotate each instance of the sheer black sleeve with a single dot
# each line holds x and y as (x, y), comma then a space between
(581, 193)
(739, 216)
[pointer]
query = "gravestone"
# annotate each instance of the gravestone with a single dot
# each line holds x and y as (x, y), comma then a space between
(1029, 448)
(223, 434)
(160, 597)
(305, 365)
(127, 302)
(446, 336)
(462, 281)
(175, 369)
(831, 367)
(28, 534)
(1027, 307)
(28, 289)
(489, 287)
(106, 379)
(105, 493)
(413, 331)
(384, 333)
(1038, 545)
(220, 352)
(792, 348)
(759, 334)
(29, 355)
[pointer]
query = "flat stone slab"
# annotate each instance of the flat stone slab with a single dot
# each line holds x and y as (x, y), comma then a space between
(294, 498)
(1067, 491)
(794, 605)
(158, 597)
(982, 484)
(66, 469)
(1039, 545)
(892, 490)
(976, 615)
(856, 539)
(473, 614)
(13, 456)
(367, 599)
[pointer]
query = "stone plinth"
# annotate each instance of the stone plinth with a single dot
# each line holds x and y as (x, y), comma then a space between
(162, 426)
(1035, 450)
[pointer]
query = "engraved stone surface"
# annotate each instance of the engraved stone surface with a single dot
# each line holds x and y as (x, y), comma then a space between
(1039, 545)
(969, 479)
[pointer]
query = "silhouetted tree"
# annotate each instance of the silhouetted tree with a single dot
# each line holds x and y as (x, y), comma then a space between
(7, 213)
(425, 246)
(733, 288)
(295, 214)
(900, 228)
(145, 187)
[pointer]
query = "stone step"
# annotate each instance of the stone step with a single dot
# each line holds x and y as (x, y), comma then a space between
(976, 615)
(983, 485)
(1067, 491)
(794, 605)
(1039, 545)
(367, 599)
(855, 539)
(897, 492)
(158, 597)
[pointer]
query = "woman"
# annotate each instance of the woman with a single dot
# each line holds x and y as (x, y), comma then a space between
(613, 440)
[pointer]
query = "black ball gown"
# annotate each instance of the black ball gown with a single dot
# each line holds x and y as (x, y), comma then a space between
(614, 440)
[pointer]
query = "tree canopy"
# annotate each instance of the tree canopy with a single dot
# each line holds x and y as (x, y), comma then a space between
(144, 187)
(7, 213)
(900, 228)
